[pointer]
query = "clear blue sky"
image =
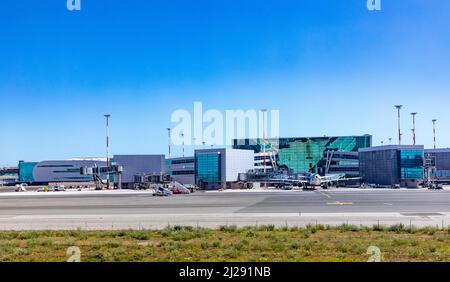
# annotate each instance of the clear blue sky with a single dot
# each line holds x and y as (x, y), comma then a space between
(331, 67)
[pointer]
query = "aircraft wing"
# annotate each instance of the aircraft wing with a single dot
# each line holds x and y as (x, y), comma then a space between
(287, 180)
(297, 180)
(352, 178)
(332, 178)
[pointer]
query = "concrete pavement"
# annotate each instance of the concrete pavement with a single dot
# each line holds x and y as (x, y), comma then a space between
(139, 209)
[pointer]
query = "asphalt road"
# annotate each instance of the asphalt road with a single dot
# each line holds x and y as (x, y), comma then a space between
(120, 209)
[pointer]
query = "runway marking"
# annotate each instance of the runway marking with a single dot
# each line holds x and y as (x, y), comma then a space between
(340, 203)
(387, 204)
(324, 194)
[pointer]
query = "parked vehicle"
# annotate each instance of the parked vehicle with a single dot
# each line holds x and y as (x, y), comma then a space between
(59, 188)
(20, 188)
(436, 186)
(161, 191)
(191, 187)
(288, 187)
(45, 189)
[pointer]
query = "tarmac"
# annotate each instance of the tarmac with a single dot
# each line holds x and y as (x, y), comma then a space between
(127, 209)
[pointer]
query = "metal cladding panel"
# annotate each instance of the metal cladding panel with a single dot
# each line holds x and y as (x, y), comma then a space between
(442, 159)
(139, 164)
(379, 167)
(63, 171)
(181, 169)
(238, 161)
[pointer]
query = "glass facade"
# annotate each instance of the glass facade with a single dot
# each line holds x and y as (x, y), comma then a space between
(26, 171)
(411, 164)
(208, 167)
(304, 154)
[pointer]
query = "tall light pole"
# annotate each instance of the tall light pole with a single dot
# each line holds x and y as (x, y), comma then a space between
(434, 132)
(182, 136)
(168, 136)
(264, 138)
(414, 127)
(390, 140)
(107, 116)
(399, 107)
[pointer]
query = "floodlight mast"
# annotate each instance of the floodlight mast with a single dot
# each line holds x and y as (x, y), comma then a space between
(414, 127)
(168, 135)
(399, 107)
(264, 138)
(434, 132)
(107, 116)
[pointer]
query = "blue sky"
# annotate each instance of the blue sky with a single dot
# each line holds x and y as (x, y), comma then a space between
(331, 67)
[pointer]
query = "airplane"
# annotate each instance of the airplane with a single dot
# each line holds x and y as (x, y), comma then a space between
(313, 180)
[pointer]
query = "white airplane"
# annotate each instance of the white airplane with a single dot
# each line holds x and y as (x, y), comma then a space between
(314, 180)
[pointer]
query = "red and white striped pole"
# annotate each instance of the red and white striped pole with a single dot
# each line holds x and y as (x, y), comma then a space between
(264, 138)
(107, 148)
(434, 133)
(414, 127)
(399, 130)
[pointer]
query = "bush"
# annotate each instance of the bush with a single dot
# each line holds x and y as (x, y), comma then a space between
(96, 246)
(201, 232)
(307, 246)
(250, 233)
(269, 227)
(228, 228)
(428, 230)
(140, 235)
(348, 227)
(399, 241)
(46, 242)
(397, 228)
(295, 245)
(230, 253)
(182, 235)
(378, 227)
(204, 245)
(112, 245)
(28, 235)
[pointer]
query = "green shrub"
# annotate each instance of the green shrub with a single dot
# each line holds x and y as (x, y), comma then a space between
(398, 241)
(46, 242)
(348, 227)
(112, 245)
(204, 245)
(269, 227)
(397, 228)
(308, 245)
(295, 245)
(228, 228)
(140, 235)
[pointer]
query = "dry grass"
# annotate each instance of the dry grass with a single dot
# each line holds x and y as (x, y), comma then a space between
(264, 243)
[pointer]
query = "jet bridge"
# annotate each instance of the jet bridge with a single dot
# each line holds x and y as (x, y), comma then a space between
(97, 172)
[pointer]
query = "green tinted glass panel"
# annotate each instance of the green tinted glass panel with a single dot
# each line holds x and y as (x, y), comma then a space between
(411, 164)
(26, 171)
(304, 154)
(208, 167)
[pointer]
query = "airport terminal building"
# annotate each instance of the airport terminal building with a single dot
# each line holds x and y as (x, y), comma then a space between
(181, 169)
(63, 170)
(439, 159)
(135, 165)
(220, 168)
(392, 165)
(322, 155)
